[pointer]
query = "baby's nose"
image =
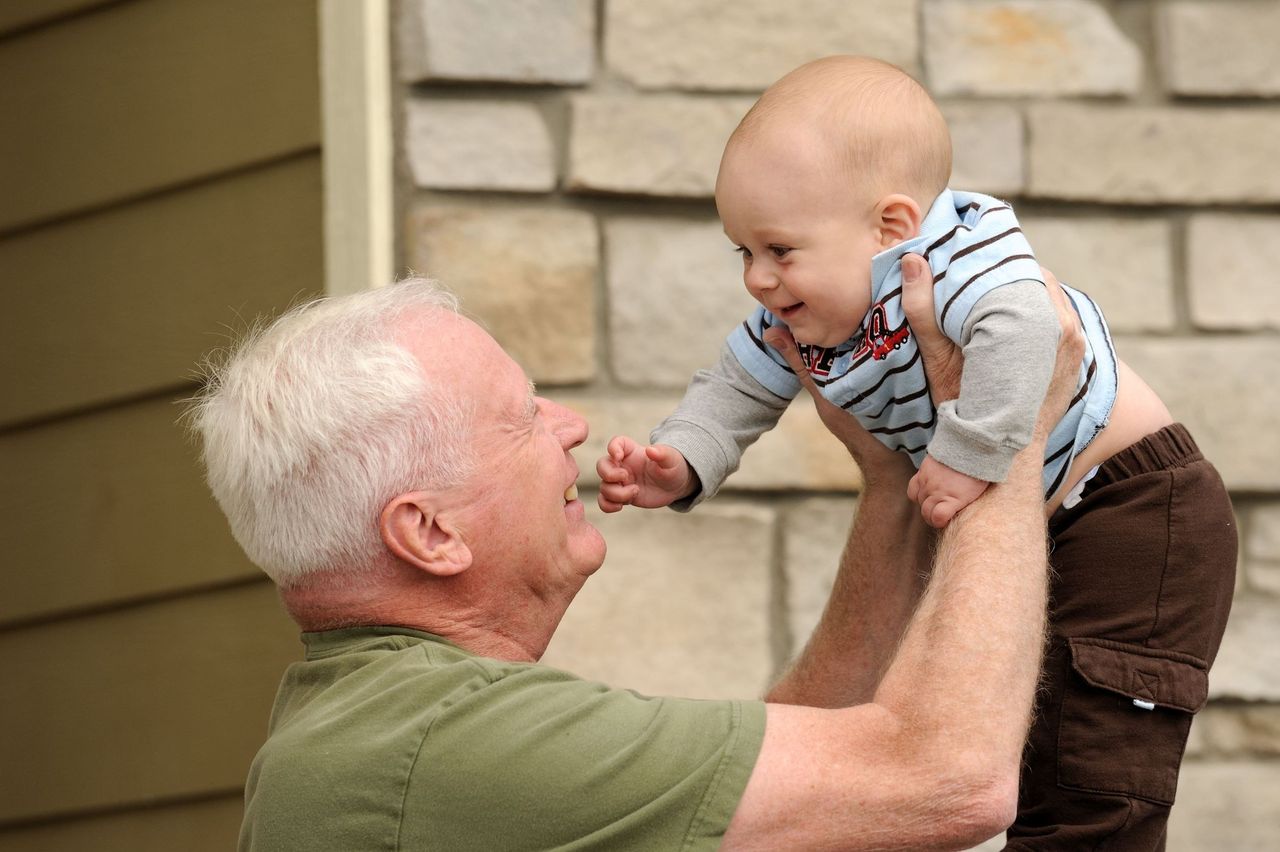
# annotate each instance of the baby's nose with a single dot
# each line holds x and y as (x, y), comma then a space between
(759, 278)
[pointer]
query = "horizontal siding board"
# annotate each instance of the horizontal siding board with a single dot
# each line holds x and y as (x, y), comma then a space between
(208, 826)
(151, 94)
(125, 302)
(18, 14)
(122, 708)
(106, 508)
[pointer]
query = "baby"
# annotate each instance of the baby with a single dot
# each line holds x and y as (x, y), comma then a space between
(839, 171)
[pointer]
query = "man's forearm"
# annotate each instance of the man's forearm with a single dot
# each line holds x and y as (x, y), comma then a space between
(966, 670)
(880, 580)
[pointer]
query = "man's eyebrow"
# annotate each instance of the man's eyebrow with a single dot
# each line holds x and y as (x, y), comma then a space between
(531, 407)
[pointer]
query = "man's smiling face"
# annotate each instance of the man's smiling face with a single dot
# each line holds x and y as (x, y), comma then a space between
(519, 513)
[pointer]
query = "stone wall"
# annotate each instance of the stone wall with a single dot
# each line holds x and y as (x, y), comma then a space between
(557, 162)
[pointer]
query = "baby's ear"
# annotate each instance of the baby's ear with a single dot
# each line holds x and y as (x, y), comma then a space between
(898, 218)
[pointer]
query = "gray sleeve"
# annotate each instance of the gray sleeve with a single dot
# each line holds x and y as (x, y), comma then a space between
(1010, 341)
(723, 412)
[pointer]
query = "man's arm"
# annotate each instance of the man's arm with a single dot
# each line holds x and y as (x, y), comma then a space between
(932, 759)
(887, 557)
(882, 575)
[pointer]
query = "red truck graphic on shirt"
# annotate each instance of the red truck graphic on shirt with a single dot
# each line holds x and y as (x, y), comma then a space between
(879, 340)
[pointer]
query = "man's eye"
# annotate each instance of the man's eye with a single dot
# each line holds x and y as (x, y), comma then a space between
(779, 251)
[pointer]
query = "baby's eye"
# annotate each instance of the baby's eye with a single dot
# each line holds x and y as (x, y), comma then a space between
(780, 251)
(743, 250)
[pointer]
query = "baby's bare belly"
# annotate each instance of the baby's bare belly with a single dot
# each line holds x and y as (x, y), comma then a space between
(1136, 414)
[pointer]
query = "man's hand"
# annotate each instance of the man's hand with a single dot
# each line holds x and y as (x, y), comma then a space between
(649, 477)
(942, 363)
(1066, 369)
(943, 360)
(876, 461)
(942, 491)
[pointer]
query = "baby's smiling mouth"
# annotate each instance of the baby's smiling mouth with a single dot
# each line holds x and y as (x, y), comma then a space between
(790, 310)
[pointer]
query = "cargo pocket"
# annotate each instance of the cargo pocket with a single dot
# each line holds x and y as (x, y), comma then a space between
(1126, 712)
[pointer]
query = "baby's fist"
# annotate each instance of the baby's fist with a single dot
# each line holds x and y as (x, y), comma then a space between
(942, 491)
(649, 477)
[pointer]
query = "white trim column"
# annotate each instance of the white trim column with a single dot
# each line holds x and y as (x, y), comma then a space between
(355, 86)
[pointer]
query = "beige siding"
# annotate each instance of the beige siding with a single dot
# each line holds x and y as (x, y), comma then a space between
(124, 302)
(20, 14)
(169, 699)
(207, 826)
(160, 187)
(128, 477)
(150, 94)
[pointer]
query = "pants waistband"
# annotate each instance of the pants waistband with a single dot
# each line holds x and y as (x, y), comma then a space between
(1168, 448)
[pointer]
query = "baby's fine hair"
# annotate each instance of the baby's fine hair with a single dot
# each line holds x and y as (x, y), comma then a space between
(886, 131)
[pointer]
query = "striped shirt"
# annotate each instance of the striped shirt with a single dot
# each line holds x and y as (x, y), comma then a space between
(973, 244)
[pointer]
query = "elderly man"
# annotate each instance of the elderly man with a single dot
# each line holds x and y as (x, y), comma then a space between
(391, 468)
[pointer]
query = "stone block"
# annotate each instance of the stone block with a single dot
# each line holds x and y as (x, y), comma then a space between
(681, 606)
(1238, 731)
(1044, 48)
(1212, 47)
(1153, 155)
(675, 292)
(1248, 664)
(814, 532)
(1226, 805)
(662, 145)
(509, 41)
(482, 145)
(739, 45)
(1124, 264)
(1262, 549)
(987, 144)
(1197, 742)
(1263, 576)
(1224, 390)
(527, 274)
(1263, 541)
(799, 454)
(1231, 263)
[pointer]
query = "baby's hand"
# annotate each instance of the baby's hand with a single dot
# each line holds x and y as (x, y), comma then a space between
(942, 492)
(632, 474)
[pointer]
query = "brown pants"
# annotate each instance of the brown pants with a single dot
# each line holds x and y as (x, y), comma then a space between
(1144, 573)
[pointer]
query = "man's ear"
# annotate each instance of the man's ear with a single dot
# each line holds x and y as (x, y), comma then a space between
(415, 529)
(897, 218)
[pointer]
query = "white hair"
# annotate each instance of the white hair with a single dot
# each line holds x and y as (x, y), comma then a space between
(316, 420)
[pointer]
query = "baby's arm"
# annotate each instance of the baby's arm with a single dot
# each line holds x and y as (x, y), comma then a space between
(1009, 340)
(723, 412)
(648, 477)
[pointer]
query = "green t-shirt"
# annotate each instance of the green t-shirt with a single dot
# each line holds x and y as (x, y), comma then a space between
(386, 738)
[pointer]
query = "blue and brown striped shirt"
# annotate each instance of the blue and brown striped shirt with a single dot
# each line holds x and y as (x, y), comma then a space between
(973, 244)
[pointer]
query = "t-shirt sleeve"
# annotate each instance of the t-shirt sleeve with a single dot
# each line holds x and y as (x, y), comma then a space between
(562, 763)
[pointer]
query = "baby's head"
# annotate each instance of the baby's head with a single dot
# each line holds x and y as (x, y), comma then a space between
(837, 161)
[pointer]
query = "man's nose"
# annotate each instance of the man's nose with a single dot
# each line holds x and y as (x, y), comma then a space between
(569, 426)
